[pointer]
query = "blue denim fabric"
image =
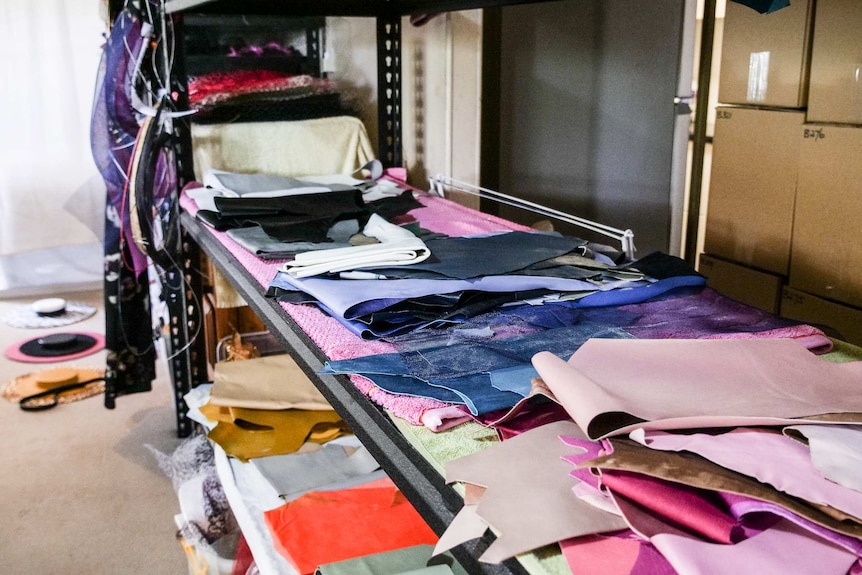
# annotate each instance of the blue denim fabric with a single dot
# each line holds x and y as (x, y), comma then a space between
(639, 294)
(465, 369)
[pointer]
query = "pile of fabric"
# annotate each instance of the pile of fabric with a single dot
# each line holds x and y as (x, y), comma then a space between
(256, 95)
(679, 457)
(334, 501)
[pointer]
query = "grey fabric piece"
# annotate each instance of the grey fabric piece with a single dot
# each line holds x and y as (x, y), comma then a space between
(258, 242)
(243, 184)
(331, 467)
(407, 561)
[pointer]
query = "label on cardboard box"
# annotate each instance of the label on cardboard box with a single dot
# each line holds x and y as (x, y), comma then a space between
(752, 189)
(836, 320)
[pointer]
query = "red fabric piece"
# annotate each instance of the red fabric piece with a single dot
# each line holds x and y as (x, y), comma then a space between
(691, 510)
(217, 86)
(327, 526)
(242, 560)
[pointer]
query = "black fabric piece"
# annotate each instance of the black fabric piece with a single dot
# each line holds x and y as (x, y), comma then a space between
(465, 305)
(131, 360)
(390, 208)
(314, 230)
(305, 217)
(275, 109)
(662, 266)
(467, 257)
(302, 207)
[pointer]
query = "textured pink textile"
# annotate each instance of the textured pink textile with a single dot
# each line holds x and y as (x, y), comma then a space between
(335, 340)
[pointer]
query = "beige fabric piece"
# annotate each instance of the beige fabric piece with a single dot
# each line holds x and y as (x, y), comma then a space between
(613, 386)
(268, 382)
(333, 145)
(529, 501)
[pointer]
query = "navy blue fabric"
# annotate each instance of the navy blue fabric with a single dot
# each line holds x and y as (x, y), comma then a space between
(468, 257)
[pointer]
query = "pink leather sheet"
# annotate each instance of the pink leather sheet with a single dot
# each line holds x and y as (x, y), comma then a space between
(611, 387)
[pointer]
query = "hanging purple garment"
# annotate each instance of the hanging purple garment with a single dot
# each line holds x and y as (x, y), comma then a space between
(128, 333)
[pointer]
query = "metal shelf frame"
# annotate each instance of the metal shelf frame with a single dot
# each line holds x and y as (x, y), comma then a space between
(426, 489)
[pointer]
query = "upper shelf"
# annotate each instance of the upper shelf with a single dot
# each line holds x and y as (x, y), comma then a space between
(335, 7)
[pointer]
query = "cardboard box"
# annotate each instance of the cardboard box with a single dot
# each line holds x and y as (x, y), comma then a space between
(836, 320)
(749, 286)
(765, 57)
(826, 250)
(752, 187)
(835, 91)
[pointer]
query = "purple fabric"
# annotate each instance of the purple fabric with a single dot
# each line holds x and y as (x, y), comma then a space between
(113, 131)
(705, 313)
(783, 548)
(531, 415)
(592, 450)
(746, 510)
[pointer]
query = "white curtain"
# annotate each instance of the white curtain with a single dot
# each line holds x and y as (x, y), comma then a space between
(51, 199)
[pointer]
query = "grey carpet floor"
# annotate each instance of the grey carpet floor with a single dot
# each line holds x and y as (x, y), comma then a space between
(79, 490)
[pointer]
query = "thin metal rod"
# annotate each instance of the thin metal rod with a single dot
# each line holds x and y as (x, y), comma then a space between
(625, 237)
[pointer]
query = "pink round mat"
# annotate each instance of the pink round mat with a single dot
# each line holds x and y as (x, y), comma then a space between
(14, 352)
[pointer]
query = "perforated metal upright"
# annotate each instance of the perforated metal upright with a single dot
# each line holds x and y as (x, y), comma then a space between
(182, 285)
(389, 89)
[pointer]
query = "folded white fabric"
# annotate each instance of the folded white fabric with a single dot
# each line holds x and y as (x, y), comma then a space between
(397, 247)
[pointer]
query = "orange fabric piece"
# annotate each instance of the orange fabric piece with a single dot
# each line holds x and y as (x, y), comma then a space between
(327, 526)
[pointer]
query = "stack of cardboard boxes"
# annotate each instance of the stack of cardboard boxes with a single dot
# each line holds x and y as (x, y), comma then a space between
(785, 200)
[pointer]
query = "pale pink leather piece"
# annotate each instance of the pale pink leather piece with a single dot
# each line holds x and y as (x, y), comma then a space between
(613, 386)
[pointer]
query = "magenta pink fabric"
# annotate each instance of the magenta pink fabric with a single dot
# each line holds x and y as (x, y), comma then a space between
(694, 511)
(768, 456)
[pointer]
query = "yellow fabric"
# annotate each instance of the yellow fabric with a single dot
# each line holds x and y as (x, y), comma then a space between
(334, 145)
(247, 433)
(268, 382)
